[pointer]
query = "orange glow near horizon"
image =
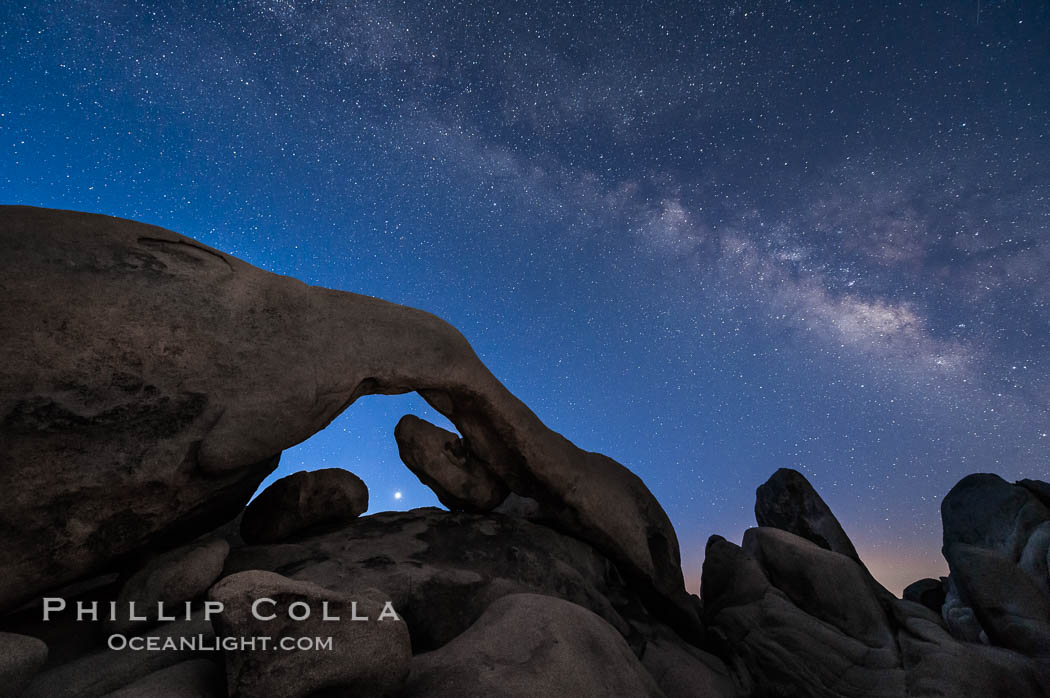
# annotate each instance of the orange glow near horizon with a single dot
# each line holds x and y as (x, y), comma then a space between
(894, 569)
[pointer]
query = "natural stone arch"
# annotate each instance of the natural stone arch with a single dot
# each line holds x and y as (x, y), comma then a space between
(149, 383)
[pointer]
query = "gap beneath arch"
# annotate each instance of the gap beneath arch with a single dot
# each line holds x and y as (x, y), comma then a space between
(361, 440)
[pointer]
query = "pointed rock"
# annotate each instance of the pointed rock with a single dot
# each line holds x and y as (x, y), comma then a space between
(443, 463)
(787, 501)
(801, 620)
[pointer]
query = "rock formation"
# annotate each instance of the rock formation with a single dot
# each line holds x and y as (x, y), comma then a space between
(368, 658)
(794, 617)
(177, 374)
(531, 645)
(21, 657)
(996, 542)
(787, 501)
(443, 463)
(301, 501)
(149, 383)
(177, 576)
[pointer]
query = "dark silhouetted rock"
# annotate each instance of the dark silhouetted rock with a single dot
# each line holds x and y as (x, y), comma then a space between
(148, 383)
(926, 592)
(529, 645)
(959, 618)
(175, 374)
(996, 540)
(984, 510)
(180, 575)
(21, 657)
(442, 569)
(801, 618)
(787, 501)
(520, 507)
(441, 462)
(194, 678)
(794, 619)
(367, 658)
(301, 501)
(938, 665)
(684, 671)
(1012, 609)
(1040, 489)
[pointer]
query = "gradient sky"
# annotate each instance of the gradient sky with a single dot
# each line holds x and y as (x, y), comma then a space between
(709, 239)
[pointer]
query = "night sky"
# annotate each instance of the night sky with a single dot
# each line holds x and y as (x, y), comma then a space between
(709, 239)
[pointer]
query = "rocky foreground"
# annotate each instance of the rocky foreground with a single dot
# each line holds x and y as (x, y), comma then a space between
(149, 383)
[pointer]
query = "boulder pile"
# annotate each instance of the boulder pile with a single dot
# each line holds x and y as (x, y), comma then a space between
(149, 383)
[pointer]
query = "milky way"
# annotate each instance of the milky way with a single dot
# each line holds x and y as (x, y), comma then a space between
(708, 239)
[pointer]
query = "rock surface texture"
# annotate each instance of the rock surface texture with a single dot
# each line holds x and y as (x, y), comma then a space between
(996, 541)
(21, 657)
(443, 463)
(442, 570)
(177, 576)
(148, 384)
(527, 645)
(787, 501)
(367, 658)
(797, 618)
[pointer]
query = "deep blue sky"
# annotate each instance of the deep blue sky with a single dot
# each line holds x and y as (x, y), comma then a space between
(708, 239)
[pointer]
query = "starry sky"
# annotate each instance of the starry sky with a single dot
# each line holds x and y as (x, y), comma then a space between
(709, 239)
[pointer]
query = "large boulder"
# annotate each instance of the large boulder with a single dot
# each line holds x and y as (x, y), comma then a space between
(787, 501)
(443, 463)
(368, 652)
(986, 511)
(926, 592)
(179, 575)
(939, 666)
(1012, 609)
(442, 569)
(996, 542)
(175, 375)
(301, 501)
(21, 657)
(532, 645)
(795, 619)
(802, 619)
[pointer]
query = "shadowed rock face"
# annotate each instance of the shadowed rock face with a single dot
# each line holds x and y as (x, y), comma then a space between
(176, 374)
(531, 645)
(367, 659)
(442, 462)
(304, 500)
(996, 542)
(441, 569)
(795, 618)
(787, 501)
